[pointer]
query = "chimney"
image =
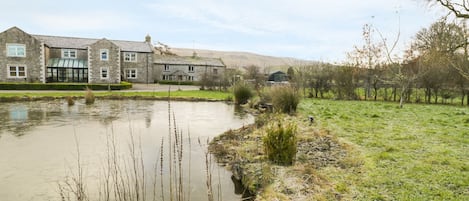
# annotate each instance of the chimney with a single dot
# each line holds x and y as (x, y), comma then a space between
(148, 38)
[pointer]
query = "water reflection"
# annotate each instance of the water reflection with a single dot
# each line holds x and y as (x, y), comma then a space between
(37, 143)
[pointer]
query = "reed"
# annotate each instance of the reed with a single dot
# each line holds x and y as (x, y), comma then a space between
(70, 101)
(89, 96)
(123, 175)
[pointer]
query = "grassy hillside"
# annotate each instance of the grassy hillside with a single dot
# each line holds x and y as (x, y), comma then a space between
(420, 152)
(240, 59)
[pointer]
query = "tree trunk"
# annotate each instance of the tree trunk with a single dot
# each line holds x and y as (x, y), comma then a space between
(463, 94)
(394, 93)
(401, 102)
(467, 98)
(385, 94)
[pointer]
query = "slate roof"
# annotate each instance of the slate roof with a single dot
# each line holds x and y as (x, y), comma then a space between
(83, 43)
(188, 60)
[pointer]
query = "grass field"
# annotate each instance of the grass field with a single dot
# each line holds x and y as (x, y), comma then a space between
(208, 95)
(420, 152)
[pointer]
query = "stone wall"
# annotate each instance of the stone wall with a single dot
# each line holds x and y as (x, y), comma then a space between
(57, 53)
(95, 64)
(214, 73)
(143, 65)
(34, 59)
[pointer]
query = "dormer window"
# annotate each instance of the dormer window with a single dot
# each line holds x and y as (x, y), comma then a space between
(104, 54)
(191, 68)
(16, 50)
(69, 53)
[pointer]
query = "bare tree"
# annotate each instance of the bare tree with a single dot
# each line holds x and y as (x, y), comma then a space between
(164, 49)
(460, 8)
(368, 57)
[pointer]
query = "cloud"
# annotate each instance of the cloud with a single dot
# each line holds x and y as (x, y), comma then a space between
(82, 21)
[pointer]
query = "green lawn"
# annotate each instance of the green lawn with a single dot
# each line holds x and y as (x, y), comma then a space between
(420, 152)
(208, 95)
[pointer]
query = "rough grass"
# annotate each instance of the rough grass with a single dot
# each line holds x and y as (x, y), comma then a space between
(420, 152)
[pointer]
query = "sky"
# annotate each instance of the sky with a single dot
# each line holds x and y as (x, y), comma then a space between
(320, 30)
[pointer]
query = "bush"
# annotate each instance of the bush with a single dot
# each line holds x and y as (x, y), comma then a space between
(172, 82)
(284, 99)
(280, 144)
(63, 86)
(242, 93)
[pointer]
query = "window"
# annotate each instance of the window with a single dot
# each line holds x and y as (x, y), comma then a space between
(166, 67)
(104, 54)
(104, 73)
(69, 53)
(131, 73)
(215, 71)
(130, 57)
(165, 77)
(190, 78)
(16, 50)
(17, 71)
(191, 68)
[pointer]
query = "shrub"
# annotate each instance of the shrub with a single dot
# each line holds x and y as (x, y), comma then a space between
(63, 86)
(280, 143)
(89, 96)
(242, 93)
(172, 82)
(284, 99)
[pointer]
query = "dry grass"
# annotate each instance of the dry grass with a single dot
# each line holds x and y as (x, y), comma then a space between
(89, 96)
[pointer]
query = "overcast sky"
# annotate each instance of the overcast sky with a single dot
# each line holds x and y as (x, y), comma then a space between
(307, 29)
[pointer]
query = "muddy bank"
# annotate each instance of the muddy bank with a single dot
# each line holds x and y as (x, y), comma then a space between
(242, 152)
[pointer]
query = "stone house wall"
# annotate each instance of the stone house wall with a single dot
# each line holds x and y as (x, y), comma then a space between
(95, 64)
(33, 60)
(143, 66)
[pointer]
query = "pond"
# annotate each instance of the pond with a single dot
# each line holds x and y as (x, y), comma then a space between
(45, 145)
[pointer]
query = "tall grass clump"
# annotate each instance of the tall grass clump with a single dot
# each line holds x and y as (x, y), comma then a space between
(70, 101)
(242, 93)
(280, 143)
(89, 96)
(284, 99)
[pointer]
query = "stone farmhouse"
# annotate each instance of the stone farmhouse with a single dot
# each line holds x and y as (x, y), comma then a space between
(46, 59)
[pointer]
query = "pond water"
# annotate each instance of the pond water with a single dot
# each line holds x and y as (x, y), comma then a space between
(42, 142)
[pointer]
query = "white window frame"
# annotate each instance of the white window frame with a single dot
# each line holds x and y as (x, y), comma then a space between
(131, 73)
(130, 56)
(191, 69)
(165, 77)
(17, 71)
(15, 52)
(67, 53)
(101, 51)
(102, 69)
(166, 67)
(190, 78)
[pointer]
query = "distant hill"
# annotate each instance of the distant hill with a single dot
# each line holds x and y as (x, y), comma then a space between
(243, 59)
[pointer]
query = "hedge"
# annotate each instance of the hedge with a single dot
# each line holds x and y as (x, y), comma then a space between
(177, 82)
(63, 86)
